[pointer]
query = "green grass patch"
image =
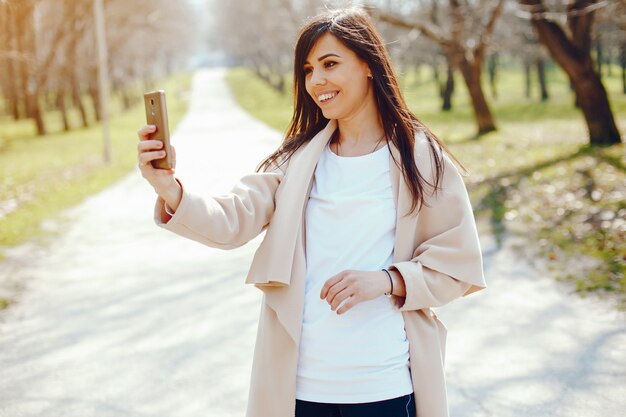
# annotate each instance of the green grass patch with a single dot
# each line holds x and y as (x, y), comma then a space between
(258, 99)
(40, 176)
(535, 176)
(4, 303)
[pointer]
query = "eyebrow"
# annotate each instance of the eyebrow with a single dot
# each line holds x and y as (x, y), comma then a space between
(324, 57)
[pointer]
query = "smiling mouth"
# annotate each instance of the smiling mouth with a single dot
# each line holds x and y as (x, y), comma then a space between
(324, 98)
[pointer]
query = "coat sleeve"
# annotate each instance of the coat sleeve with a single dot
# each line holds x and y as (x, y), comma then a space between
(447, 262)
(227, 221)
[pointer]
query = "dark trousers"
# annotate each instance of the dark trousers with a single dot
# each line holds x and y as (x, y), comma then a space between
(396, 407)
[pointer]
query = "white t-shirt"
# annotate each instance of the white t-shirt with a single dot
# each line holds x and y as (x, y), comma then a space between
(363, 354)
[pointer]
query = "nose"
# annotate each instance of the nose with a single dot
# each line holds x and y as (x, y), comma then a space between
(318, 78)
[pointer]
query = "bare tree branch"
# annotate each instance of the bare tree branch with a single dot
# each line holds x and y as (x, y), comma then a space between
(486, 33)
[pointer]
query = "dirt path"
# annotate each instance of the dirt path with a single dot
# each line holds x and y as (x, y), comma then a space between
(119, 318)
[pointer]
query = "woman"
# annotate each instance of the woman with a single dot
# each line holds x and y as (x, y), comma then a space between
(368, 225)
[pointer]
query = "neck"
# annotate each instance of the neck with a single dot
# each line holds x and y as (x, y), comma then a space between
(361, 129)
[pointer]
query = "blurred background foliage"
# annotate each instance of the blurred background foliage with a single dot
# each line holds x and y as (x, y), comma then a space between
(529, 94)
(51, 150)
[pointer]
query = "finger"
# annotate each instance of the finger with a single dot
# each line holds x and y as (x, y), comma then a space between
(145, 132)
(339, 298)
(144, 158)
(149, 145)
(329, 283)
(334, 292)
(347, 306)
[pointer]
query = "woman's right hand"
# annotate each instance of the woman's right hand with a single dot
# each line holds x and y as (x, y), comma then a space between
(162, 180)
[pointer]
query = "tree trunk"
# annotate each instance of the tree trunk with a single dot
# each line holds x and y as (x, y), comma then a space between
(492, 69)
(61, 105)
(594, 103)
(447, 90)
(472, 76)
(417, 72)
(34, 111)
(78, 102)
(21, 66)
(280, 83)
(76, 90)
(26, 45)
(573, 55)
(73, 76)
(591, 97)
(541, 75)
(572, 88)
(12, 84)
(95, 99)
(50, 99)
(127, 101)
(599, 57)
(437, 78)
(13, 92)
(527, 78)
(623, 64)
(268, 74)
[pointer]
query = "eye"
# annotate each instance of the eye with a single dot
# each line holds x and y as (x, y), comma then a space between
(307, 70)
(329, 64)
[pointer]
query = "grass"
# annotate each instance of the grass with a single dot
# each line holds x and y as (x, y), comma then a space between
(258, 99)
(535, 176)
(40, 176)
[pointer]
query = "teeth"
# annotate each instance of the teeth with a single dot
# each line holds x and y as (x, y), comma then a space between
(327, 96)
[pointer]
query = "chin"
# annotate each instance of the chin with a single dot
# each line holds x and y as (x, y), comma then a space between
(329, 114)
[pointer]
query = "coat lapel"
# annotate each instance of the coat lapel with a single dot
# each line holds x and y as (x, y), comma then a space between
(405, 223)
(273, 261)
(279, 265)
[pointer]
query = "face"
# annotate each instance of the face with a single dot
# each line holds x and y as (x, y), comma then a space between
(337, 79)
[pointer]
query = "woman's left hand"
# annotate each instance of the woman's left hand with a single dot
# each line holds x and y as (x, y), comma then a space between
(357, 286)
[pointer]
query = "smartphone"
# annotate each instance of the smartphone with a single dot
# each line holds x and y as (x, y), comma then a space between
(156, 114)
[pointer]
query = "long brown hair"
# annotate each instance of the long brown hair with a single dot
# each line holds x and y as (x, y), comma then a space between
(354, 28)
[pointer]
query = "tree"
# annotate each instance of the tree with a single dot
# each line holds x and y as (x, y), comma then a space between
(572, 51)
(464, 43)
(8, 58)
(47, 50)
(268, 53)
(24, 53)
(534, 57)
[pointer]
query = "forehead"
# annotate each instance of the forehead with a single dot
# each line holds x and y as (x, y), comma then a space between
(328, 44)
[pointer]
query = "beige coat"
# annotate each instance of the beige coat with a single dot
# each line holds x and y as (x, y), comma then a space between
(437, 253)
